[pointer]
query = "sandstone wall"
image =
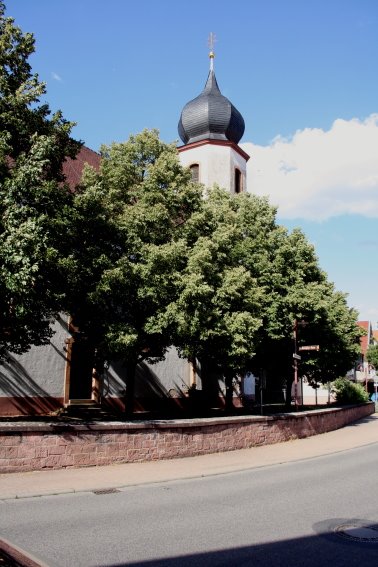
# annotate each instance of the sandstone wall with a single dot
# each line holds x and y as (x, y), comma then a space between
(37, 446)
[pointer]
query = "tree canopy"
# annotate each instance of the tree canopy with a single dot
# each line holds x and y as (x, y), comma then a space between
(372, 356)
(298, 290)
(217, 310)
(245, 283)
(131, 216)
(33, 202)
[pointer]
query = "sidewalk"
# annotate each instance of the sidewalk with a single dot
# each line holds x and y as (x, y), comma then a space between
(42, 483)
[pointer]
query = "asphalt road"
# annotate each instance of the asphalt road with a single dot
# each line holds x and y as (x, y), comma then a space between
(281, 515)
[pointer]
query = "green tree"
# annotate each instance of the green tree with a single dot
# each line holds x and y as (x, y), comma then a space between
(246, 281)
(297, 289)
(372, 356)
(334, 328)
(33, 201)
(130, 217)
(218, 310)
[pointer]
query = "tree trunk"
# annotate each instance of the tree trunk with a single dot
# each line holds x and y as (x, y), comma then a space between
(210, 383)
(130, 387)
(289, 383)
(228, 378)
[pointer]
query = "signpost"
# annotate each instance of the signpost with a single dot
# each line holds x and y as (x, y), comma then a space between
(262, 385)
(298, 357)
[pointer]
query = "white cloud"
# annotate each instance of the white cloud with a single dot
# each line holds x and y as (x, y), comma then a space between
(319, 174)
(56, 77)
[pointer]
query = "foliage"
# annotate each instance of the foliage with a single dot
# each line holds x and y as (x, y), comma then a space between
(33, 202)
(336, 331)
(297, 289)
(348, 392)
(131, 216)
(372, 356)
(247, 279)
(217, 311)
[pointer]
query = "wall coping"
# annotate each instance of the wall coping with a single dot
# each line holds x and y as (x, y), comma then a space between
(55, 427)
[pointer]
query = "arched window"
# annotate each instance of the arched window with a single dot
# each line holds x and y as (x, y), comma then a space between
(238, 181)
(194, 168)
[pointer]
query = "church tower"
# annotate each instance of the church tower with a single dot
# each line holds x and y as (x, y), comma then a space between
(210, 128)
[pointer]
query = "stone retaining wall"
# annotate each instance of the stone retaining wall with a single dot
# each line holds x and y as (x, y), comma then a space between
(37, 446)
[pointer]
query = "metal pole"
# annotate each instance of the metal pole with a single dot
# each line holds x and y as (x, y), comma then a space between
(295, 365)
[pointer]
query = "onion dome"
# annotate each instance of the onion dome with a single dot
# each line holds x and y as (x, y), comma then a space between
(210, 116)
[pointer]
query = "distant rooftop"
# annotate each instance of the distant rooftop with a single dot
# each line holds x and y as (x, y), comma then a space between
(365, 341)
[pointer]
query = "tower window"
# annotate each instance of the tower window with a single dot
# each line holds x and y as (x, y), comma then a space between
(238, 181)
(194, 169)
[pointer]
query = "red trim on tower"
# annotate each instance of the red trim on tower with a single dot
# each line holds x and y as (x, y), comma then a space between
(215, 143)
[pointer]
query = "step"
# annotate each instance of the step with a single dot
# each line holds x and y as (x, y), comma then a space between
(85, 403)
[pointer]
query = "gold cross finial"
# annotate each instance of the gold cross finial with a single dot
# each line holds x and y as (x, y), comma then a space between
(212, 40)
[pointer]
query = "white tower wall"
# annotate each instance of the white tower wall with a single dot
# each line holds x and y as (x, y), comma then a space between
(217, 164)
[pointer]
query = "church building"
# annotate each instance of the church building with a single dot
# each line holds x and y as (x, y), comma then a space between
(47, 378)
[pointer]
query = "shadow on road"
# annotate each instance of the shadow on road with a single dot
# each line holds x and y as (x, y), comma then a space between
(325, 547)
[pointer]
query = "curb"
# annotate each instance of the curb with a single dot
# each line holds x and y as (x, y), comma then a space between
(17, 556)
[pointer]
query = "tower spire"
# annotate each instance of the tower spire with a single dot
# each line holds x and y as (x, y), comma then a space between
(212, 40)
(210, 116)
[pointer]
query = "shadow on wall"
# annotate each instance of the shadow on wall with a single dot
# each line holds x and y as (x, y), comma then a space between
(148, 384)
(25, 395)
(212, 385)
(154, 391)
(172, 393)
(150, 393)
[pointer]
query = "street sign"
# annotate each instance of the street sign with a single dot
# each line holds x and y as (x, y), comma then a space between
(309, 347)
(297, 356)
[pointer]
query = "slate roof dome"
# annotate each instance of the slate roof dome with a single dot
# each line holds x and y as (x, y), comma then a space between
(210, 116)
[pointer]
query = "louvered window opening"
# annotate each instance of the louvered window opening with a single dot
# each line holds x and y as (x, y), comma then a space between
(195, 172)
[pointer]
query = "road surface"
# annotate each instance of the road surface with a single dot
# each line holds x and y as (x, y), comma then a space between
(305, 513)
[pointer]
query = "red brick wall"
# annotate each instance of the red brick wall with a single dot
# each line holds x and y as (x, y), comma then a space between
(38, 446)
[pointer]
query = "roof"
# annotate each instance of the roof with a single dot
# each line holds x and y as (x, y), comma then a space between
(210, 116)
(365, 341)
(73, 168)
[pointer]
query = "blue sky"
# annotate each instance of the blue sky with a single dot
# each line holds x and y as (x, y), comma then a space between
(302, 72)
